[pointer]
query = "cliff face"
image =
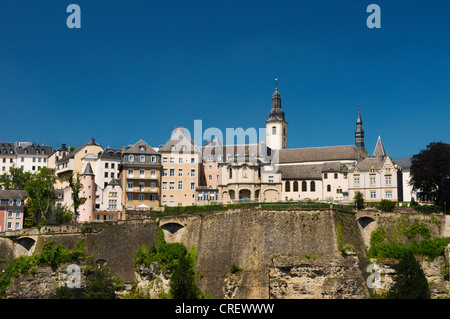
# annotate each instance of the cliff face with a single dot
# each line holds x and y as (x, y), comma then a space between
(281, 254)
(242, 253)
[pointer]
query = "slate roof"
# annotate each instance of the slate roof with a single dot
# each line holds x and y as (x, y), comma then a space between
(33, 149)
(13, 194)
(319, 154)
(88, 170)
(6, 148)
(301, 171)
(404, 163)
(111, 153)
(141, 147)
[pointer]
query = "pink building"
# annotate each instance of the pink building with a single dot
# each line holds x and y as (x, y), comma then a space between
(12, 204)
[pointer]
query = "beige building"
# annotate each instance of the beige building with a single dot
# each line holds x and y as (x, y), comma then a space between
(376, 177)
(140, 175)
(246, 174)
(181, 160)
(72, 163)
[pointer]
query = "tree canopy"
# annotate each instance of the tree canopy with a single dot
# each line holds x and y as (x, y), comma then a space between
(430, 173)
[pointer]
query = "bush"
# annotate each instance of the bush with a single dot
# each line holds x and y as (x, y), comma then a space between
(386, 205)
(235, 269)
(428, 209)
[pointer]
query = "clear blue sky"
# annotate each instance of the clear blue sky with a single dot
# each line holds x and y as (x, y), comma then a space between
(137, 68)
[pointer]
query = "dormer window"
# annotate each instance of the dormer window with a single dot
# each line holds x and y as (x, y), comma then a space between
(10, 202)
(372, 170)
(131, 158)
(18, 202)
(37, 151)
(142, 148)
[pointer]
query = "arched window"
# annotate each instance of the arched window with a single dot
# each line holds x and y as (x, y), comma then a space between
(287, 186)
(303, 186)
(328, 188)
(295, 186)
(274, 130)
(231, 172)
(313, 186)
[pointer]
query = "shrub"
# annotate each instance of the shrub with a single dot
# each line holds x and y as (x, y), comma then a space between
(386, 205)
(234, 269)
(359, 200)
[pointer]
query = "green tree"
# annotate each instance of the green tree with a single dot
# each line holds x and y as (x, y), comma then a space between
(63, 214)
(430, 173)
(40, 189)
(409, 280)
(76, 186)
(16, 179)
(183, 283)
(359, 200)
(100, 283)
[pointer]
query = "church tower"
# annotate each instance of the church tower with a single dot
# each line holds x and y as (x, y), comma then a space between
(276, 126)
(359, 133)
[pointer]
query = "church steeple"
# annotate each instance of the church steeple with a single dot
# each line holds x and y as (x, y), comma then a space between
(276, 125)
(359, 133)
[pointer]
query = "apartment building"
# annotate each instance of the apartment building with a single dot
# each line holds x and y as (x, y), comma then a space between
(140, 175)
(181, 159)
(72, 162)
(12, 203)
(7, 157)
(31, 157)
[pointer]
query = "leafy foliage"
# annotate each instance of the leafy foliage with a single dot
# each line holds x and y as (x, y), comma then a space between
(359, 200)
(76, 186)
(41, 192)
(100, 283)
(409, 280)
(386, 205)
(430, 173)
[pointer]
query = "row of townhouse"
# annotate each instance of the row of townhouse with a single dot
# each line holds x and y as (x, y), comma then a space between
(139, 177)
(26, 155)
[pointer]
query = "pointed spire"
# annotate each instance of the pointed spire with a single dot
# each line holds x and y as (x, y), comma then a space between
(379, 149)
(88, 170)
(359, 133)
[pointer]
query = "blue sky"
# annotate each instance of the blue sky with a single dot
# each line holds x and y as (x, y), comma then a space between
(136, 69)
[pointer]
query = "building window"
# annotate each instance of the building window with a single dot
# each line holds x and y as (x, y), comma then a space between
(106, 174)
(335, 175)
(106, 165)
(164, 185)
(10, 214)
(152, 197)
(200, 196)
(372, 170)
(373, 195)
(112, 204)
(274, 130)
(141, 197)
(287, 186)
(142, 158)
(153, 173)
(130, 186)
(164, 172)
(141, 187)
(130, 196)
(270, 179)
(164, 159)
(180, 185)
(180, 160)
(180, 172)
(325, 175)
(172, 172)
(328, 188)
(295, 186)
(388, 194)
(304, 186)
(388, 180)
(130, 158)
(17, 225)
(193, 172)
(313, 186)
(112, 165)
(130, 173)
(192, 160)
(356, 181)
(172, 185)
(372, 181)
(192, 185)
(142, 173)
(172, 160)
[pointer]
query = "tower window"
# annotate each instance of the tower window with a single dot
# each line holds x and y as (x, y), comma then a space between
(274, 130)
